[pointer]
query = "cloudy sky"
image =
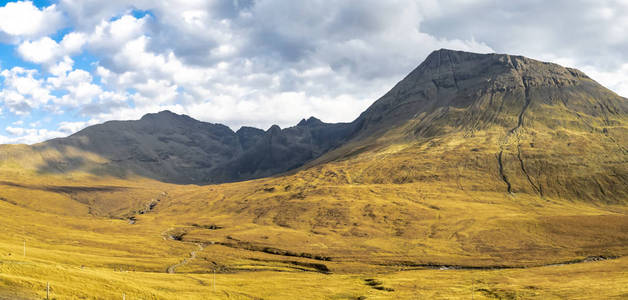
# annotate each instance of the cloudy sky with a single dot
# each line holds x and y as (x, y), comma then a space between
(67, 64)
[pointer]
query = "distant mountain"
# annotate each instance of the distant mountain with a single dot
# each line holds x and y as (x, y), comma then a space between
(178, 149)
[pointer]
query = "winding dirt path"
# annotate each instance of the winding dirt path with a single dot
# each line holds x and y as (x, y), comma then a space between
(171, 269)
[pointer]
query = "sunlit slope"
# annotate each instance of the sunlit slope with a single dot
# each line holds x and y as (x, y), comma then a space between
(318, 239)
(26, 279)
(289, 235)
(498, 122)
(77, 193)
(397, 224)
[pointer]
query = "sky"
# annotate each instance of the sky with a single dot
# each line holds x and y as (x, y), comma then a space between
(68, 64)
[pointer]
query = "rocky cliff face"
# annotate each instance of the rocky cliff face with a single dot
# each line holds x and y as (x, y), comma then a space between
(178, 149)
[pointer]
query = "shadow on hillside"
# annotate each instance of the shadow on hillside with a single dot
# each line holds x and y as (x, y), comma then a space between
(65, 189)
(59, 159)
(275, 152)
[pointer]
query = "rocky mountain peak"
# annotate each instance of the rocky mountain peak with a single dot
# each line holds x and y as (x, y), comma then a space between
(448, 68)
(475, 82)
(164, 116)
(275, 129)
(311, 121)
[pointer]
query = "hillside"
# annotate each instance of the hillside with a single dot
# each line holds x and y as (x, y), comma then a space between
(478, 175)
(497, 123)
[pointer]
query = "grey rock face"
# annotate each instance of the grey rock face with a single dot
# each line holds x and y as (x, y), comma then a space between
(178, 149)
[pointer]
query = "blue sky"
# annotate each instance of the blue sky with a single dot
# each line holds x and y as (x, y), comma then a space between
(68, 64)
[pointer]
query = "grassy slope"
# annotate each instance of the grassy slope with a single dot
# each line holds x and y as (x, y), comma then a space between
(397, 204)
(369, 230)
(27, 277)
(86, 257)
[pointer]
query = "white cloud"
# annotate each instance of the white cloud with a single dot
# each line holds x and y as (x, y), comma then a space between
(19, 135)
(237, 64)
(617, 79)
(15, 131)
(85, 14)
(79, 87)
(47, 51)
(109, 37)
(73, 42)
(23, 91)
(72, 127)
(155, 92)
(226, 90)
(61, 67)
(23, 19)
(44, 50)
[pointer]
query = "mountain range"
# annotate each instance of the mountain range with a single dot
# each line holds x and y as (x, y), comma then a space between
(178, 149)
(544, 128)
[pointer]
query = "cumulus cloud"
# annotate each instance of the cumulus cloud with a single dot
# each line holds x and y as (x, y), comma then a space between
(586, 32)
(47, 51)
(44, 50)
(255, 55)
(23, 19)
(23, 90)
(19, 135)
(85, 14)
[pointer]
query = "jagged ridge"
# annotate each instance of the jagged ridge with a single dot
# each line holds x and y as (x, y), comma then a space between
(176, 148)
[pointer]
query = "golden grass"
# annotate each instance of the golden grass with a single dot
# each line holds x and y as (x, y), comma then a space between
(96, 257)
(320, 232)
(27, 278)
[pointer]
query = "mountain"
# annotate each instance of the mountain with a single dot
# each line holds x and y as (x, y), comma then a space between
(499, 122)
(178, 149)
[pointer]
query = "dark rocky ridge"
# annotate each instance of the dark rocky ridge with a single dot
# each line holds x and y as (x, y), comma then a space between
(178, 149)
